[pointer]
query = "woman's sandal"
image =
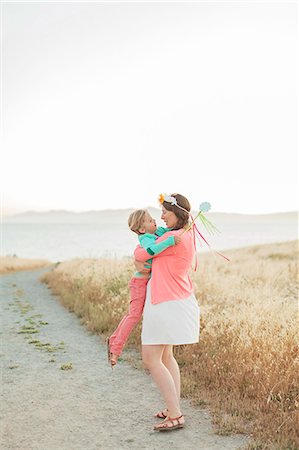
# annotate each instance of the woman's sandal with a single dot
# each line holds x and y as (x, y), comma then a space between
(161, 414)
(110, 356)
(174, 421)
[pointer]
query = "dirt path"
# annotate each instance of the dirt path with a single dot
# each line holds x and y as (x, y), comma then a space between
(86, 406)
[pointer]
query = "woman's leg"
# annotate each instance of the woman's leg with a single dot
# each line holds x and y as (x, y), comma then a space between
(170, 362)
(152, 358)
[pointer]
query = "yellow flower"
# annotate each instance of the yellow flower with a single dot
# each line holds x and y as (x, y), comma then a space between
(161, 198)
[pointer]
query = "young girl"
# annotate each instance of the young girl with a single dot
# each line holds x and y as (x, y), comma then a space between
(141, 222)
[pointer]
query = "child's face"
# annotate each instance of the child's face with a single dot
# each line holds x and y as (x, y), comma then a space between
(149, 225)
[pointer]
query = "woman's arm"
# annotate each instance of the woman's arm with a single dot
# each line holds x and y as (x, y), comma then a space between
(142, 267)
(140, 254)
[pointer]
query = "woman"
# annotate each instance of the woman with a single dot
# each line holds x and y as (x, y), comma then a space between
(171, 311)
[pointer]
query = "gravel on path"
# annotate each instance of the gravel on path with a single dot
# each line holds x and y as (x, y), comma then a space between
(59, 393)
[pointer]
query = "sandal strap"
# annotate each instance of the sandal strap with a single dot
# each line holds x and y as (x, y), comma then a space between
(161, 415)
(175, 418)
(171, 420)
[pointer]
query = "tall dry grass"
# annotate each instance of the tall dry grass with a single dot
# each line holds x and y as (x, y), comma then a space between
(14, 264)
(246, 364)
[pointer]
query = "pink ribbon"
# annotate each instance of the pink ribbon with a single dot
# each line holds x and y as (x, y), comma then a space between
(199, 233)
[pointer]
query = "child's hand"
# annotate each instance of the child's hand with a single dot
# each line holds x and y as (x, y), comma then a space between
(177, 239)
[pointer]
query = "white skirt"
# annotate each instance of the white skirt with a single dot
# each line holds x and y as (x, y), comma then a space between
(173, 322)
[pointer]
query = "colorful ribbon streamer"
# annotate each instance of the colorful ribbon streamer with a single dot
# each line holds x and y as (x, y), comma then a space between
(211, 230)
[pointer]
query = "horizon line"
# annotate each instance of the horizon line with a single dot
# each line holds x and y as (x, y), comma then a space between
(7, 215)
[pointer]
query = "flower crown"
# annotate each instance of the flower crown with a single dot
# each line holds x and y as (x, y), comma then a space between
(172, 200)
(204, 207)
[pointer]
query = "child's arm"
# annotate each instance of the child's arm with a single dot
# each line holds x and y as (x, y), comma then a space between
(148, 242)
(161, 230)
(140, 254)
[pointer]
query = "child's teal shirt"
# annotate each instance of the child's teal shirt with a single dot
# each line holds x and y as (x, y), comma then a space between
(147, 241)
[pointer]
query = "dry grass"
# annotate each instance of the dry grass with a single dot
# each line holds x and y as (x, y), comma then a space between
(246, 364)
(14, 264)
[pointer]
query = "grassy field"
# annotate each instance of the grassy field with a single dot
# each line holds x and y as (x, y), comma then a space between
(13, 264)
(245, 368)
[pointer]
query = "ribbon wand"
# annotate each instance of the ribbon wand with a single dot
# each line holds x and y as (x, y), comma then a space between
(204, 207)
(191, 224)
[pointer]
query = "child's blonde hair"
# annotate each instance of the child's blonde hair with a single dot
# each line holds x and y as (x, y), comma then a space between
(136, 219)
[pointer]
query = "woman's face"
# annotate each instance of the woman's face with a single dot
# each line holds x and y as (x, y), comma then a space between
(169, 218)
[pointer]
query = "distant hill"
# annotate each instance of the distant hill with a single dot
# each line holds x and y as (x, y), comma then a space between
(62, 216)
(118, 216)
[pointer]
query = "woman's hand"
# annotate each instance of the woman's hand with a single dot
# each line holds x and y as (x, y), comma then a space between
(177, 239)
(140, 267)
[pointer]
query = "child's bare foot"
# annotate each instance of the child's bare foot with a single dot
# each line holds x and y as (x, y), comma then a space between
(113, 359)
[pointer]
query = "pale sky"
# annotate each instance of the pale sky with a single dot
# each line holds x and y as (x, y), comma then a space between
(106, 105)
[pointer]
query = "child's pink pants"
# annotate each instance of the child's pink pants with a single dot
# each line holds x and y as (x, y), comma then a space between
(138, 292)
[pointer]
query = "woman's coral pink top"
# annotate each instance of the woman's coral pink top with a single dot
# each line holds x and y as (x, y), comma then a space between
(170, 279)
